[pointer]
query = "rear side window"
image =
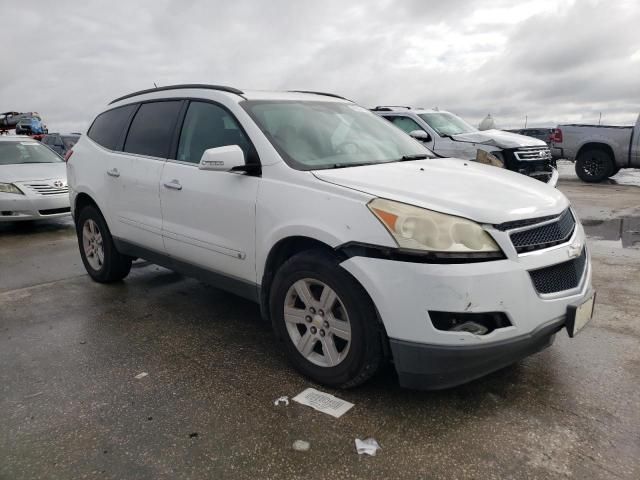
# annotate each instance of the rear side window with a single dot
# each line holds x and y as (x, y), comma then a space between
(109, 127)
(152, 129)
(208, 126)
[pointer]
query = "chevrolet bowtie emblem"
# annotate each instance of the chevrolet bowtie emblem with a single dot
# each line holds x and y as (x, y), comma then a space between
(575, 249)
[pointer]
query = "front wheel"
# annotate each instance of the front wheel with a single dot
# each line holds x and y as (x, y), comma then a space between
(326, 320)
(100, 257)
(594, 165)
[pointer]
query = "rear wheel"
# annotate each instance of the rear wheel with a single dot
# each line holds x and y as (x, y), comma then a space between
(326, 320)
(594, 165)
(102, 261)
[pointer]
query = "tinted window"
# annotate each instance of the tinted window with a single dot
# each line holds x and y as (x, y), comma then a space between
(152, 129)
(207, 126)
(109, 127)
(406, 124)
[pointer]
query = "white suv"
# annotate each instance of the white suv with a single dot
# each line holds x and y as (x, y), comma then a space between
(356, 242)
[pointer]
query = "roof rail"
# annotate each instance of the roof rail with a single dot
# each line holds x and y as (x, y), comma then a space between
(388, 108)
(320, 93)
(221, 88)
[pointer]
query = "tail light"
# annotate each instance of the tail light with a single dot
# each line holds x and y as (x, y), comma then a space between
(556, 136)
(67, 155)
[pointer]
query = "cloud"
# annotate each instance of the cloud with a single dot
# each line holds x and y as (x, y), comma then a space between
(549, 60)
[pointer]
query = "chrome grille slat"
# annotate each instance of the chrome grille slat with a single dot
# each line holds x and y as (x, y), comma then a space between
(560, 277)
(47, 188)
(533, 153)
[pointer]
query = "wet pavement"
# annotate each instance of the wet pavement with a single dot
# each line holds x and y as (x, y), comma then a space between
(72, 407)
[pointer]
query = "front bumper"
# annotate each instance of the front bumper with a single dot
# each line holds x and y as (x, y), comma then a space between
(435, 367)
(15, 208)
(404, 293)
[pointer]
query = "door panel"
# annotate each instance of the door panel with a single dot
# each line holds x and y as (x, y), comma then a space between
(209, 217)
(134, 199)
(210, 220)
(135, 173)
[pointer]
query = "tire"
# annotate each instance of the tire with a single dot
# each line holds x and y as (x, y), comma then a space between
(615, 171)
(594, 165)
(349, 362)
(101, 259)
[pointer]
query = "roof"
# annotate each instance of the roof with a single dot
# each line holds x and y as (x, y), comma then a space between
(249, 95)
(417, 111)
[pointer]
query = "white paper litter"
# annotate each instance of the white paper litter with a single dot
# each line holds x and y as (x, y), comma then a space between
(301, 446)
(367, 446)
(141, 375)
(323, 402)
(282, 401)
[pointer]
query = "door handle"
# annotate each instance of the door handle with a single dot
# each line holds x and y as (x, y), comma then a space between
(173, 184)
(113, 172)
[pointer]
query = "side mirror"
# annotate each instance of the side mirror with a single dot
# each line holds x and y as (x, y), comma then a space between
(420, 135)
(222, 159)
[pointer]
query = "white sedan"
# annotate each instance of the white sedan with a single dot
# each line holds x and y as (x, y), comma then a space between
(33, 181)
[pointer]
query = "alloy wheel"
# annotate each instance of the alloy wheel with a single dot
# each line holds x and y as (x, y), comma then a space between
(317, 322)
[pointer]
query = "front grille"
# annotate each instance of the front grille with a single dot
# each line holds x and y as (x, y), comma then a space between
(544, 236)
(42, 188)
(533, 153)
(560, 277)
(53, 211)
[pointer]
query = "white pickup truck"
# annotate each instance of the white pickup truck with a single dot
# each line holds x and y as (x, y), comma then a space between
(599, 151)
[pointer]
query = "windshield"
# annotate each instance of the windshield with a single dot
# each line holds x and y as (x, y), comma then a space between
(317, 135)
(446, 124)
(12, 153)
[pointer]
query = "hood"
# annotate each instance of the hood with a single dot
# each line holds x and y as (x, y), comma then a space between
(24, 172)
(467, 189)
(499, 138)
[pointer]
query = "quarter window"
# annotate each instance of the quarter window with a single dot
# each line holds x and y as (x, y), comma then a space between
(152, 129)
(109, 127)
(208, 126)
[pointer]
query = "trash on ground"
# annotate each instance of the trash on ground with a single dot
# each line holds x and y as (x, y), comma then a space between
(282, 401)
(368, 446)
(141, 375)
(323, 402)
(301, 446)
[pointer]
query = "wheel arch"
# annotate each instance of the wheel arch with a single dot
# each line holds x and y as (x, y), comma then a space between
(597, 146)
(281, 251)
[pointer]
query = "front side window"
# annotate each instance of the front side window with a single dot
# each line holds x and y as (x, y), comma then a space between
(446, 124)
(313, 135)
(405, 124)
(152, 129)
(109, 127)
(208, 126)
(12, 153)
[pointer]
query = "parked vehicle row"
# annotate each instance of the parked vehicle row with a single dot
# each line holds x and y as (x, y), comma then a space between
(449, 136)
(33, 181)
(599, 151)
(357, 242)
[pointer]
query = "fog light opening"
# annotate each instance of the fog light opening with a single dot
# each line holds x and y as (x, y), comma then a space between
(474, 323)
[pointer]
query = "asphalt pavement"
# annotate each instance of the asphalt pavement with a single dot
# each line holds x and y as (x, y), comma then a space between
(71, 406)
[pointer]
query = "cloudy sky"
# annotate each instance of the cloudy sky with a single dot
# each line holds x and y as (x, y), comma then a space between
(553, 61)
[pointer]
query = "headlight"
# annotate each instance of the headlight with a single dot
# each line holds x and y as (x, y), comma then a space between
(10, 188)
(420, 229)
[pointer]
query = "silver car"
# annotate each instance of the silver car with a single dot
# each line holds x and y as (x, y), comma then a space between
(33, 181)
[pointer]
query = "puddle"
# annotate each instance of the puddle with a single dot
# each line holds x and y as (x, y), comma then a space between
(621, 232)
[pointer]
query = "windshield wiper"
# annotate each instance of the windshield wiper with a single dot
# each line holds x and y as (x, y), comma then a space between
(345, 165)
(417, 156)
